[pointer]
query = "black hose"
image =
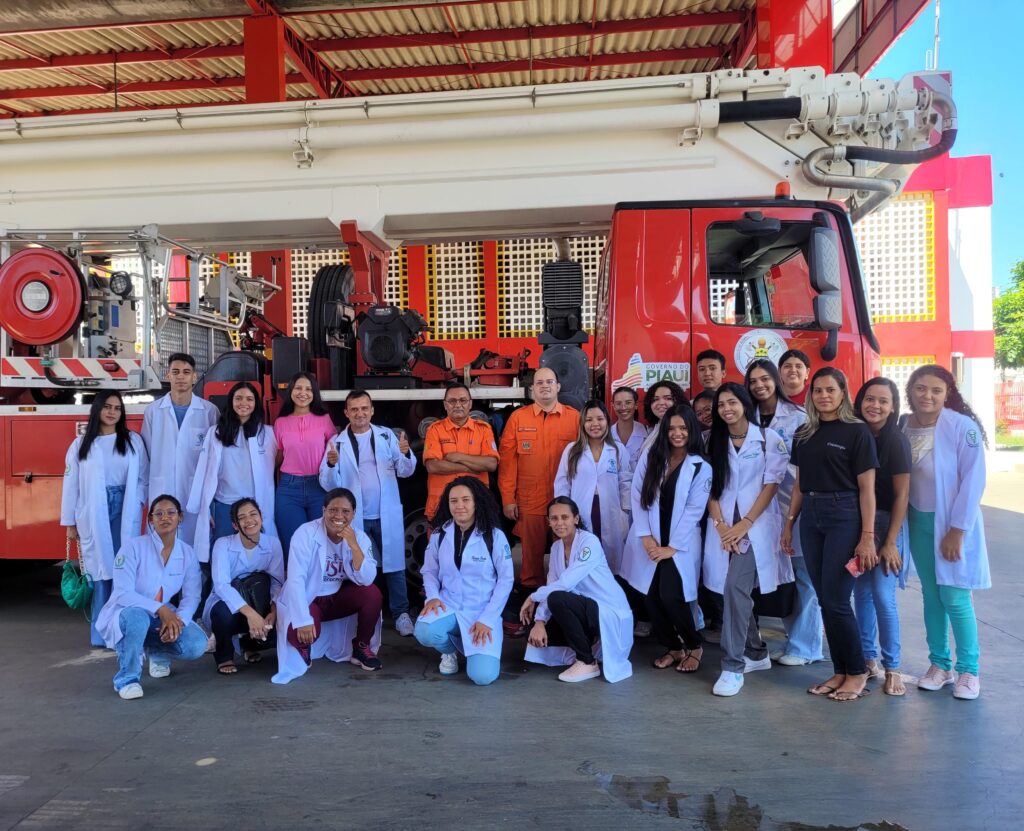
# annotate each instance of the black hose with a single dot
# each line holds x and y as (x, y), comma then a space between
(766, 109)
(874, 154)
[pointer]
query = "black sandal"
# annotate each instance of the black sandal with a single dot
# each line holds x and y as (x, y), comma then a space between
(687, 655)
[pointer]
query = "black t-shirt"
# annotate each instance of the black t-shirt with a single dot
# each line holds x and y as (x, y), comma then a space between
(893, 459)
(833, 458)
(667, 503)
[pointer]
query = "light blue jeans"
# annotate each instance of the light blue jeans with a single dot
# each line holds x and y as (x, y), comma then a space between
(874, 601)
(442, 634)
(803, 626)
(141, 634)
(101, 589)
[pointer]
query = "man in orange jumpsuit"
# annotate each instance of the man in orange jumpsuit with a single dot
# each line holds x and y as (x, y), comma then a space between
(457, 446)
(530, 449)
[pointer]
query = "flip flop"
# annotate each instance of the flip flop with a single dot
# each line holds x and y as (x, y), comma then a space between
(227, 669)
(844, 695)
(829, 690)
(897, 674)
(687, 655)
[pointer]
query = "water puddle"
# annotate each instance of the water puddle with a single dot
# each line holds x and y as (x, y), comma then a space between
(721, 810)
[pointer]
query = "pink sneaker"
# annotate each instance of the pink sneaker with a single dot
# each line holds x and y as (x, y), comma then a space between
(580, 671)
(968, 686)
(935, 679)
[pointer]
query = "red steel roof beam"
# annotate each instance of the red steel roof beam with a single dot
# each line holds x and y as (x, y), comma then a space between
(462, 46)
(375, 42)
(323, 78)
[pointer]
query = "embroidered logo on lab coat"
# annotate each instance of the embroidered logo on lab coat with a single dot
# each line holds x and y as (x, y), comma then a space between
(119, 561)
(508, 552)
(585, 554)
(972, 438)
(782, 447)
(67, 469)
(707, 485)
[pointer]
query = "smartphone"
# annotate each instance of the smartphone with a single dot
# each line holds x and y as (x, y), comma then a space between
(853, 566)
(744, 545)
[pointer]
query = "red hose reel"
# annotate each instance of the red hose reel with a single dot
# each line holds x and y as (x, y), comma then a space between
(42, 296)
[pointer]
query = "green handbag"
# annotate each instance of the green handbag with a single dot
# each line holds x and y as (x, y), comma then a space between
(75, 583)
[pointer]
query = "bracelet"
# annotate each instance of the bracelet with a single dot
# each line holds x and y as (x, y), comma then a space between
(748, 519)
(791, 517)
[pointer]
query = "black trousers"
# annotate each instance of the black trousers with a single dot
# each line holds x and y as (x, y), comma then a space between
(225, 626)
(637, 601)
(574, 623)
(671, 615)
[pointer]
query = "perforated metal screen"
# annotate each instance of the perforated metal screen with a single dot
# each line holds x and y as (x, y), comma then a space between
(897, 248)
(898, 369)
(455, 290)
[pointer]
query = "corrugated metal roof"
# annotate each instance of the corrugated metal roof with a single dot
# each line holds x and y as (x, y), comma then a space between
(146, 73)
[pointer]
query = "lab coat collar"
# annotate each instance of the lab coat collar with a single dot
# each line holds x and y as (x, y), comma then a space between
(165, 402)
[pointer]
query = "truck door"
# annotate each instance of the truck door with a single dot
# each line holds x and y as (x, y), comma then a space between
(643, 326)
(754, 294)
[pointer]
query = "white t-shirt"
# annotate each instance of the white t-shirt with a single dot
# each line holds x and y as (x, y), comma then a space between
(334, 570)
(922, 474)
(115, 466)
(235, 479)
(369, 480)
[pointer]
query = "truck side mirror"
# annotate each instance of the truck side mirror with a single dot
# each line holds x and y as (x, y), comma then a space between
(828, 314)
(823, 255)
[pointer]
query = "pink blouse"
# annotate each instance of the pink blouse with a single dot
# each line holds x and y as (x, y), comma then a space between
(302, 440)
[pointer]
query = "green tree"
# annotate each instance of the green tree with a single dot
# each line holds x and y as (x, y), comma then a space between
(1008, 321)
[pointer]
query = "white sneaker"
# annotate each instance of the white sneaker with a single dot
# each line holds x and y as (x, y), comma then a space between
(776, 654)
(580, 671)
(753, 666)
(130, 691)
(788, 660)
(404, 625)
(935, 679)
(158, 670)
(728, 683)
(449, 664)
(968, 686)
(641, 629)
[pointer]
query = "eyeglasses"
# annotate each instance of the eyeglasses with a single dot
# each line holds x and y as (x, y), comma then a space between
(545, 382)
(458, 401)
(170, 513)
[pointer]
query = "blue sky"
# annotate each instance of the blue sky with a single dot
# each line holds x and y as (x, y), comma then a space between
(980, 42)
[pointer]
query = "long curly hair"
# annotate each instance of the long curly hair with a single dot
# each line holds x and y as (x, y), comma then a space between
(658, 455)
(678, 397)
(487, 516)
(954, 399)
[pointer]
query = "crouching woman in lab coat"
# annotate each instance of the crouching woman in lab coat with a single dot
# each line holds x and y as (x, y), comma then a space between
(663, 551)
(227, 613)
(103, 494)
(580, 605)
(139, 618)
(742, 548)
(467, 578)
(947, 532)
(329, 606)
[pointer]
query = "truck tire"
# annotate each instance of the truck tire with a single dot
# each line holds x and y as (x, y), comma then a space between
(332, 283)
(415, 549)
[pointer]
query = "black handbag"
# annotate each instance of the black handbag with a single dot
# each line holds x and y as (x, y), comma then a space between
(255, 591)
(778, 603)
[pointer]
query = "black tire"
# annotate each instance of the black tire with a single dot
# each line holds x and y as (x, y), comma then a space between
(332, 283)
(415, 549)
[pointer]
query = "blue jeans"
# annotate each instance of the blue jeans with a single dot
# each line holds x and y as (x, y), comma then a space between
(141, 633)
(874, 597)
(829, 533)
(398, 595)
(442, 634)
(803, 626)
(299, 499)
(101, 588)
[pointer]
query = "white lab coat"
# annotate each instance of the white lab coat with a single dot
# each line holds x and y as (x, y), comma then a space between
(475, 593)
(610, 477)
(390, 466)
(307, 559)
(232, 559)
(588, 575)
(174, 453)
(83, 503)
(692, 491)
(636, 441)
(262, 455)
(762, 460)
(140, 573)
(789, 418)
(959, 485)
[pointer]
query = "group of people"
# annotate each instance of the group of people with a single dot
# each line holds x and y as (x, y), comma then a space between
(774, 496)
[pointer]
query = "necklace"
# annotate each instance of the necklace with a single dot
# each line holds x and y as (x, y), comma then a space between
(734, 436)
(920, 421)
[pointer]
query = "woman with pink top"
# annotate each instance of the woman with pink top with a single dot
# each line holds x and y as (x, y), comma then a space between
(302, 430)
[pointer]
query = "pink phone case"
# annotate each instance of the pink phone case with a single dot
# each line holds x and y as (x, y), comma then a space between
(853, 566)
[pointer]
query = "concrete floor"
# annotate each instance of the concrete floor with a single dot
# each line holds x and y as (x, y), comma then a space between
(344, 749)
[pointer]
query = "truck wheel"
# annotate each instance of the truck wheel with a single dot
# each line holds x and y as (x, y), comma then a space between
(332, 283)
(416, 525)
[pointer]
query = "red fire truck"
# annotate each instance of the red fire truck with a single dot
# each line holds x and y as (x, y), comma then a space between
(736, 236)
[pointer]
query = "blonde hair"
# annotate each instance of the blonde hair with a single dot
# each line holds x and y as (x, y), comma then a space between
(844, 413)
